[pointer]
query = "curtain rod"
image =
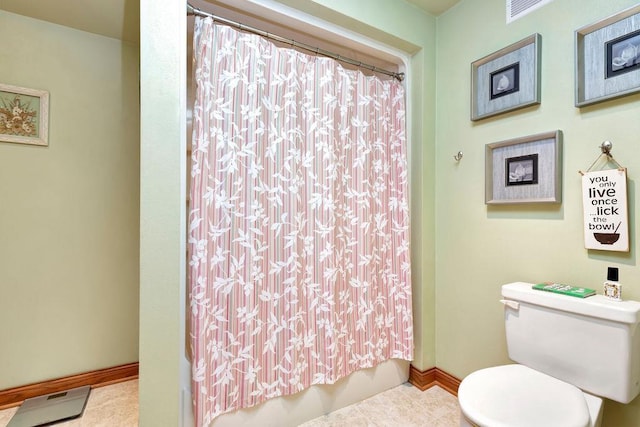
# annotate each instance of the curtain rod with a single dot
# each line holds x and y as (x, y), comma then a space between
(191, 10)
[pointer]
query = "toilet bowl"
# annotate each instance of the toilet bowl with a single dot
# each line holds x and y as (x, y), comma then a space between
(570, 353)
(518, 396)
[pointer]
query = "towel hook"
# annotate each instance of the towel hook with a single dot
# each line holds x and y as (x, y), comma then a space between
(458, 156)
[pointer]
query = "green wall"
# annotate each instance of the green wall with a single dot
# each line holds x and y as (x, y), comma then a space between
(69, 212)
(479, 248)
(463, 251)
(163, 369)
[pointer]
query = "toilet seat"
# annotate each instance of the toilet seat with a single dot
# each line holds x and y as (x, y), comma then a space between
(518, 396)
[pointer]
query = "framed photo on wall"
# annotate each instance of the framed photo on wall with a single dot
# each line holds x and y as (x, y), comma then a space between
(24, 115)
(608, 58)
(506, 80)
(623, 54)
(521, 170)
(524, 170)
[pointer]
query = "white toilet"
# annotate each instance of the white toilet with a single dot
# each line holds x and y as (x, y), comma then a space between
(571, 353)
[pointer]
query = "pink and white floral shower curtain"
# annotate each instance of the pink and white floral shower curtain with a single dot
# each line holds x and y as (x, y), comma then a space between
(299, 222)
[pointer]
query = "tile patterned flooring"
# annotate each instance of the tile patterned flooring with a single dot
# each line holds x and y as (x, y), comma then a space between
(404, 405)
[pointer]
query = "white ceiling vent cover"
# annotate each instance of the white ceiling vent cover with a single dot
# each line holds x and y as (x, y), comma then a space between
(519, 8)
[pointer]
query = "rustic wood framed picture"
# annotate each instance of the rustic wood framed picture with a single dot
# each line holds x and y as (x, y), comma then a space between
(606, 217)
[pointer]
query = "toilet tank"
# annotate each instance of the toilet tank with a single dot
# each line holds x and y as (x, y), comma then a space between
(592, 343)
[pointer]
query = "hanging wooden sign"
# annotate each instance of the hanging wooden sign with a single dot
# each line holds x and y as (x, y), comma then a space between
(604, 198)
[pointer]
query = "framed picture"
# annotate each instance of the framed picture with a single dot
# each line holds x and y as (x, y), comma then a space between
(524, 170)
(506, 80)
(623, 54)
(24, 115)
(521, 170)
(608, 58)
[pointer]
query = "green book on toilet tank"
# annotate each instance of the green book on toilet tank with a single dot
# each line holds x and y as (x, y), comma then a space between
(559, 288)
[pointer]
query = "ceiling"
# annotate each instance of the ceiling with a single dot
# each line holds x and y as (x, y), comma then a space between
(434, 7)
(120, 19)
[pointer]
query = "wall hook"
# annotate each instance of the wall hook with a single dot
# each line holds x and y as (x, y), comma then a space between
(606, 147)
(458, 156)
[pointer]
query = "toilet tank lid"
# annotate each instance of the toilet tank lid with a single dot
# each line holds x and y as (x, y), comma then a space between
(595, 306)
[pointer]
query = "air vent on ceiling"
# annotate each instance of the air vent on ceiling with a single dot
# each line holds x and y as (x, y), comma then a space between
(518, 8)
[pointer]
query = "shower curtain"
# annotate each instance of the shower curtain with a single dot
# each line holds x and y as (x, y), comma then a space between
(298, 235)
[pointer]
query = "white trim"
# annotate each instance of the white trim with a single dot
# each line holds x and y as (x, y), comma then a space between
(304, 22)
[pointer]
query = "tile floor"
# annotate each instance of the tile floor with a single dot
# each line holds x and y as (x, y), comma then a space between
(405, 405)
(402, 406)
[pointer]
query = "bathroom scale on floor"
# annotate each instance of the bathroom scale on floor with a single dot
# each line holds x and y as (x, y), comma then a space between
(51, 408)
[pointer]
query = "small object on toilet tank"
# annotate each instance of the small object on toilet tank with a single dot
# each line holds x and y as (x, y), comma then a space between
(559, 288)
(613, 289)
